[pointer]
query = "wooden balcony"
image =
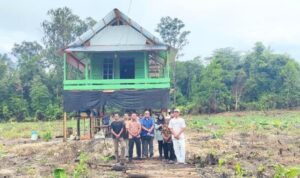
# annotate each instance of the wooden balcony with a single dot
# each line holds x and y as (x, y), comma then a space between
(117, 84)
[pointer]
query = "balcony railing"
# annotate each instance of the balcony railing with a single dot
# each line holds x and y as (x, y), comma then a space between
(117, 84)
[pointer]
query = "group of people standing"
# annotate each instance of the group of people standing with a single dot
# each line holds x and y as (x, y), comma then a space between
(167, 129)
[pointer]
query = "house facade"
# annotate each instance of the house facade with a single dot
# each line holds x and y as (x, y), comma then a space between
(119, 63)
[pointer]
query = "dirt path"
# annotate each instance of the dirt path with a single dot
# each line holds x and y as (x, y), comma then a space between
(39, 159)
(157, 168)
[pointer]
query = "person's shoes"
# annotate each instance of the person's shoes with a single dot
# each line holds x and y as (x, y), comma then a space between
(170, 162)
(182, 163)
(145, 157)
(130, 161)
(138, 158)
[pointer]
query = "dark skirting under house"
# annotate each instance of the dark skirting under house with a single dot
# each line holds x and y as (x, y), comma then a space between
(124, 99)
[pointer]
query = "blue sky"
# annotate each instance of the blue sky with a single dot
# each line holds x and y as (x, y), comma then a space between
(213, 23)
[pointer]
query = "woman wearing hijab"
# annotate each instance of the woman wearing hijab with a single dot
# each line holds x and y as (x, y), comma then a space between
(158, 135)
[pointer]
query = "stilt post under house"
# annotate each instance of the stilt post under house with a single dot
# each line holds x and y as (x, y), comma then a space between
(78, 125)
(83, 125)
(65, 126)
(90, 127)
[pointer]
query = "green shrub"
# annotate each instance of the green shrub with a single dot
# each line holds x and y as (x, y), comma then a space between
(281, 171)
(218, 134)
(60, 173)
(47, 136)
(81, 168)
(238, 170)
(106, 158)
(54, 112)
(6, 114)
(39, 115)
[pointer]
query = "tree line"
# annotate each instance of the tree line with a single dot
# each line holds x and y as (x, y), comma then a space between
(31, 81)
(31, 86)
(232, 81)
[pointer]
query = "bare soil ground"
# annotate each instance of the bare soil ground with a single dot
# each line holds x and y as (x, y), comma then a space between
(27, 159)
(257, 154)
(255, 144)
(213, 150)
(157, 168)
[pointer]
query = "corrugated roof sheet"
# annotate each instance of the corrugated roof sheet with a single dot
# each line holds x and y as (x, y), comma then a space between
(118, 35)
(119, 48)
(104, 37)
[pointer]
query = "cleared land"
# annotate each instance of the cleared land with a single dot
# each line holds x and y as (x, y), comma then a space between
(243, 144)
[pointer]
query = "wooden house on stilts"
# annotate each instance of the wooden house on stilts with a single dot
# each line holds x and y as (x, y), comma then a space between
(116, 63)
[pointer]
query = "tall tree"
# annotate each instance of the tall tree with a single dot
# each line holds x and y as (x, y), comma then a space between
(233, 75)
(172, 33)
(61, 29)
(27, 49)
(4, 112)
(90, 22)
(11, 102)
(238, 87)
(291, 85)
(40, 97)
(188, 76)
(30, 64)
(3, 65)
(212, 95)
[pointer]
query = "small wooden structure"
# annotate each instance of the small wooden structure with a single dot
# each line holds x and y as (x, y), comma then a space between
(116, 63)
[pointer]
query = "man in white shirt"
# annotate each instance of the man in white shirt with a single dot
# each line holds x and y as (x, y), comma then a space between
(177, 126)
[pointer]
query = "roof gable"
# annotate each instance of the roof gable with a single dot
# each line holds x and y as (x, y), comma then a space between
(118, 35)
(117, 29)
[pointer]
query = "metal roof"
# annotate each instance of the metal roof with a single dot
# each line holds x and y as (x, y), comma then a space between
(118, 35)
(113, 48)
(126, 37)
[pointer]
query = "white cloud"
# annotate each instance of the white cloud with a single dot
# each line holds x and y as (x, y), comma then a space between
(214, 23)
(236, 23)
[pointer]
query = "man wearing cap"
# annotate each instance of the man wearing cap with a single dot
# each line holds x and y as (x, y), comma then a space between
(177, 126)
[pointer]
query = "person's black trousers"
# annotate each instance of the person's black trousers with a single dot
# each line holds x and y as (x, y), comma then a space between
(147, 144)
(160, 147)
(137, 142)
(169, 151)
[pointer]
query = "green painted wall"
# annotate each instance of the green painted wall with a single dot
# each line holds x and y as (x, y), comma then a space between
(139, 68)
(97, 64)
(96, 82)
(116, 68)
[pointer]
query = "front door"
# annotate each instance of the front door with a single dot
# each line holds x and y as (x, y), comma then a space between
(127, 68)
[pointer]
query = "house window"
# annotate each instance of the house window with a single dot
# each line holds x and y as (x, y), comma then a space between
(108, 67)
